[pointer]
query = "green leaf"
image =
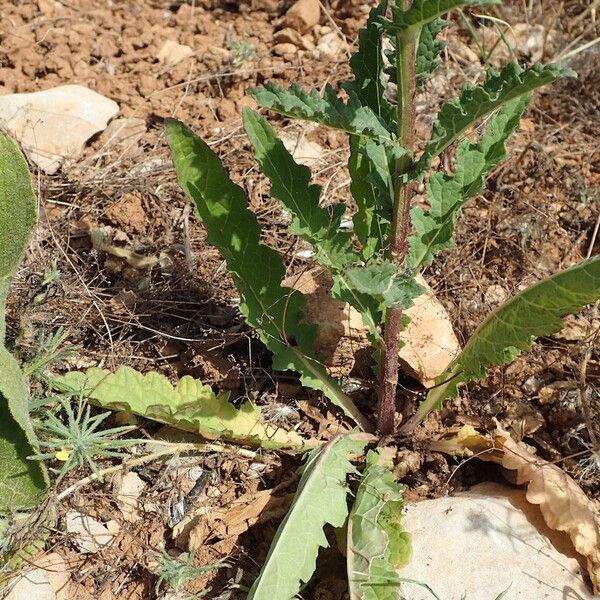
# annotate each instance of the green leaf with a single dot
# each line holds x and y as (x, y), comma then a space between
(290, 184)
(422, 12)
(448, 194)
(274, 311)
(510, 330)
(327, 110)
(474, 103)
(381, 281)
(189, 405)
(17, 216)
(22, 481)
(377, 543)
(319, 500)
(428, 50)
(368, 65)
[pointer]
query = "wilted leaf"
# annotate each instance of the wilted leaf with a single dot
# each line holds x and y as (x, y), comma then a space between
(189, 405)
(377, 544)
(563, 503)
(320, 500)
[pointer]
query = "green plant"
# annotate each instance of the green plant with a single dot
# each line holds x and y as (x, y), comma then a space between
(173, 573)
(79, 438)
(21, 480)
(373, 269)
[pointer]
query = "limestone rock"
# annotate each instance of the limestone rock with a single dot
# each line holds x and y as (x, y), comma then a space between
(304, 151)
(49, 580)
(477, 544)
(303, 15)
(172, 53)
(430, 342)
(54, 125)
(89, 535)
(331, 44)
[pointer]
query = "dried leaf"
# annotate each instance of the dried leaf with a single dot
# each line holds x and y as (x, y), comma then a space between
(563, 503)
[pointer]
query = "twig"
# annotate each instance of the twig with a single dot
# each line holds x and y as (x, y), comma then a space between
(172, 448)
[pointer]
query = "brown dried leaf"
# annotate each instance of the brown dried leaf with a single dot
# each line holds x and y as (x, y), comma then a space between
(563, 503)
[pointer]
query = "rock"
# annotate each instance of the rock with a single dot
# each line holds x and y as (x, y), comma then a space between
(478, 544)
(430, 342)
(124, 130)
(303, 15)
(54, 125)
(172, 53)
(495, 295)
(48, 581)
(289, 36)
(284, 49)
(331, 44)
(304, 151)
(90, 535)
(128, 489)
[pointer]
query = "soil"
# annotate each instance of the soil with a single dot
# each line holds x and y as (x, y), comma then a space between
(177, 313)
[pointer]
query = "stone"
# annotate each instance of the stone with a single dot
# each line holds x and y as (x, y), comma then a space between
(54, 124)
(430, 342)
(303, 15)
(88, 534)
(331, 44)
(128, 489)
(172, 53)
(124, 130)
(284, 49)
(49, 580)
(304, 151)
(289, 36)
(495, 295)
(482, 542)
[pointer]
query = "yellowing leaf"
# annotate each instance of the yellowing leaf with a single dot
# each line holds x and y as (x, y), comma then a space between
(563, 503)
(189, 405)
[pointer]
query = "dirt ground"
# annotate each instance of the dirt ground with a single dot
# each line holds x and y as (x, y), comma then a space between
(539, 214)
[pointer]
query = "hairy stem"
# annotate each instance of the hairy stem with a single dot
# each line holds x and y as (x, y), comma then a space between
(403, 192)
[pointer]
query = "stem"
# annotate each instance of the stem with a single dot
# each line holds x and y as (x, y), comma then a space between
(403, 192)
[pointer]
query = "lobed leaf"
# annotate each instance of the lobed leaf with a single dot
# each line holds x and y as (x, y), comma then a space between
(377, 544)
(510, 330)
(319, 500)
(422, 12)
(329, 110)
(274, 311)
(434, 229)
(428, 51)
(474, 103)
(189, 405)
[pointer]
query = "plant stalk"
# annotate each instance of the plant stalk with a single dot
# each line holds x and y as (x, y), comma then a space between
(403, 192)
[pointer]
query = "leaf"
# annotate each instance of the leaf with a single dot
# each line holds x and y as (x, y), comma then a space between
(17, 215)
(381, 281)
(189, 405)
(327, 110)
(563, 503)
(367, 65)
(274, 311)
(474, 103)
(377, 542)
(319, 500)
(422, 12)
(510, 330)
(434, 230)
(428, 50)
(21, 481)
(290, 184)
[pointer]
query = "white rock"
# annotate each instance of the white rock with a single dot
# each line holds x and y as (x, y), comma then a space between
(495, 295)
(90, 535)
(331, 44)
(172, 53)
(32, 585)
(304, 151)
(477, 544)
(128, 489)
(55, 124)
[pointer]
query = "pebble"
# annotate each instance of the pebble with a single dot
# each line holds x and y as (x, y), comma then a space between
(303, 15)
(285, 49)
(331, 44)
(172, 53)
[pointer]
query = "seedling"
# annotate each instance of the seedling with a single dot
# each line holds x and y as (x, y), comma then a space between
(396, 240)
